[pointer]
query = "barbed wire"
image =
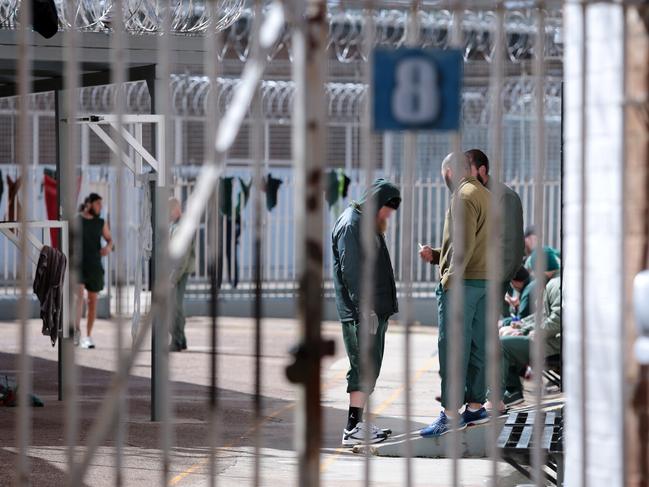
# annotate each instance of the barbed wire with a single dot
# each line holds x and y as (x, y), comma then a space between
(345, 100)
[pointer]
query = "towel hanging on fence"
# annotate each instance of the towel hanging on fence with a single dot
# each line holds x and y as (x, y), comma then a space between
(48, 286)
(271, 186)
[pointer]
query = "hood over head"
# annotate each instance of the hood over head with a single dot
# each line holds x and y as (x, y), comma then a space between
(383, 192)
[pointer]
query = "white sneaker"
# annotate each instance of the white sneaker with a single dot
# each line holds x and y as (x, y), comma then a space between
(357, 435)
(87, 343)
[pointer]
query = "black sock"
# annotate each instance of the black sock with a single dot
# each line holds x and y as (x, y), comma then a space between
(354, 416)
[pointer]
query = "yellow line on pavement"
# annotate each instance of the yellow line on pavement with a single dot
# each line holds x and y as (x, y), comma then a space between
(193, 468)
(380, 408)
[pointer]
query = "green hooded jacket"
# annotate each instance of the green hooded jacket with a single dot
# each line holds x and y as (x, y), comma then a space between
(551, 324)
(348, 255)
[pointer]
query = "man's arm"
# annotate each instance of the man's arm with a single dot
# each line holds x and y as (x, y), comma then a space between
(470, 214)
(350, 263)
(513, 239)
(105, 232)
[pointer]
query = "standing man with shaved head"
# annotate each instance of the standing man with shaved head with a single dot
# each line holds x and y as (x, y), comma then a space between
(469, 203)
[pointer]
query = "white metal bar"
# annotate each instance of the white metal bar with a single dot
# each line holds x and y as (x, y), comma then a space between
(110, 143)
(456, 296)
(496, 250)
(118, 77)
(368, 236)
(583, 254)
(23, 437)
(138, 147)
(538, 343)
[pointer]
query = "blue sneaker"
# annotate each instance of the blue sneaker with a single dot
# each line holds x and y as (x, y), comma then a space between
(472, 418)
(440, 427)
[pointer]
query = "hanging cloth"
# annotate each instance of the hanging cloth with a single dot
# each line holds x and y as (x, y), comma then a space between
(271, 186)
(343, 184)
(332, 191)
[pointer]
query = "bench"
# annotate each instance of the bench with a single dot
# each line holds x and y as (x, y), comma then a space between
(552, 370)
(517, 443)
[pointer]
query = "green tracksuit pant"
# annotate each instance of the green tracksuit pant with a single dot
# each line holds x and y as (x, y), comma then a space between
(352, 339)
(474, 356)
(178, 338)
(516, 355)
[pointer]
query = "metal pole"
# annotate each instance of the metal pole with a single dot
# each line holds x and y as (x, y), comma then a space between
(309, 149)
(118, 78)
(411, 157)
(538, 342)
(368, 236)
(583, 257)
(496, 249)
(456, 335)
(163, 398)
(213, 44)
(258, 142)
(23, 437)
(68, 188)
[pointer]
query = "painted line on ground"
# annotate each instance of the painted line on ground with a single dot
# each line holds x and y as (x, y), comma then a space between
(193, 468)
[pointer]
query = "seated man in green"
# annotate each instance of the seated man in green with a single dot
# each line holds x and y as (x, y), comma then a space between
(521, 297)
(517, 341)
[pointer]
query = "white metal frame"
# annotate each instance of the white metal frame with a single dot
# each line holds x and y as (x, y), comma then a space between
(158, 164)
(7, 229)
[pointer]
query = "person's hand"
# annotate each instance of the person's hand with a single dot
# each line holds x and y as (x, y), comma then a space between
(531, 335)
(104, 251)
(513, 301)
(508, 331)
(428, 254)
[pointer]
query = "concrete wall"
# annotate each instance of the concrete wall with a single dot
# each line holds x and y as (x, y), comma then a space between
(604, 267)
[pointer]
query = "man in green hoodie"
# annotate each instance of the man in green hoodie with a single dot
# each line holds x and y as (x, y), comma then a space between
(471, 200)
(384, 199)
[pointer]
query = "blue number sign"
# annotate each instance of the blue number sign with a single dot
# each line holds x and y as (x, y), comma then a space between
(417, 89)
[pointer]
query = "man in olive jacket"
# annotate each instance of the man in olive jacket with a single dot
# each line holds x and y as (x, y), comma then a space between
(470, 201)
(384, 198)
(512, 237)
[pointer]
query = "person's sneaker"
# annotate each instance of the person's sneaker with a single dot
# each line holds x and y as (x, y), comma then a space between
(473, 418)
(76, 337)
(357, 435)
(87, 342)
(440, 426)
(513, 398)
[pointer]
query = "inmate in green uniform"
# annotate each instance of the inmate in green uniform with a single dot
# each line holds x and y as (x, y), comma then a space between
(471, 200)
(92, 272)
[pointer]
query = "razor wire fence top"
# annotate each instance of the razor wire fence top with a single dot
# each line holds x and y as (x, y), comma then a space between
(345, 100)
(347, 25)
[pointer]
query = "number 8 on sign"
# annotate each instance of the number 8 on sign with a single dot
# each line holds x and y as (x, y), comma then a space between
(416, 89)
(415, 98)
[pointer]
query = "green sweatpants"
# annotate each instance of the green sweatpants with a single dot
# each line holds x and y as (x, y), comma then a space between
(516, 355)
(178, 326)
(474, 359)
(352, 339)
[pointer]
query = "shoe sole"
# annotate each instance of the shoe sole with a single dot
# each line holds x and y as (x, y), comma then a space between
(463, 427)
(355, 442)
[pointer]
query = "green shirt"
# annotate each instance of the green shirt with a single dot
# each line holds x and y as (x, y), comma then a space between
(551, 324)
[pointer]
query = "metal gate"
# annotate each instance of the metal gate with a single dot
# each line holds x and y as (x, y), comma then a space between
(497, 40)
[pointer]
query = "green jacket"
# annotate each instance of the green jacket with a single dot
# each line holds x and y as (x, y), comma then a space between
(474, 198)
(551, 324)
(512, 235)
(348, 255)
(186, 264)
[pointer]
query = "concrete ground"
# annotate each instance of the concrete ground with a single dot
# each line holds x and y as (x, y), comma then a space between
(141, 464)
